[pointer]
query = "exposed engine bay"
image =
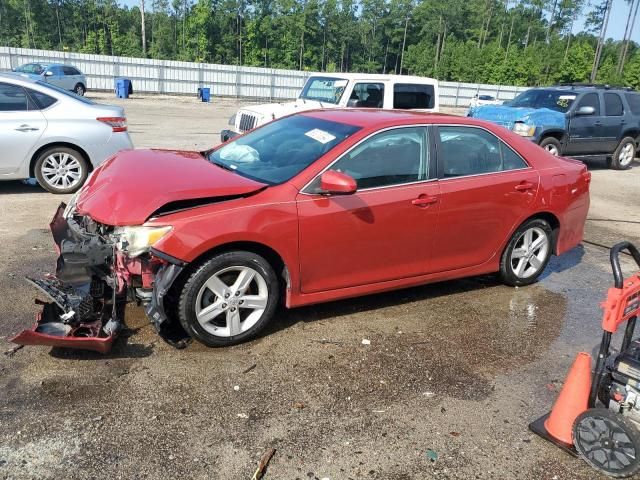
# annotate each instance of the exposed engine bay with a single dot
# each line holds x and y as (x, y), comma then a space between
(99, 270)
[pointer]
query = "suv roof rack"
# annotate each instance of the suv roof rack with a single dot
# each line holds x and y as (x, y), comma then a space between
(595, 85)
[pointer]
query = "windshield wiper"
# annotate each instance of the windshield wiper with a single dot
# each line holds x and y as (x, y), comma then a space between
(223, 166)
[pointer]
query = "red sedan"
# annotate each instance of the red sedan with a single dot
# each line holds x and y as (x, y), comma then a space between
(309, 208)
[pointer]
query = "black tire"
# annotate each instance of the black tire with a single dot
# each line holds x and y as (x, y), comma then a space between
(188, 298)
(44, 178)
(509, 272)
(552, 145)
(620, 159)
(79, 89)
(617, 457)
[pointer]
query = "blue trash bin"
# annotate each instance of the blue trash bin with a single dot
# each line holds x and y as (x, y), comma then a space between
(123, 87)
(205, 94)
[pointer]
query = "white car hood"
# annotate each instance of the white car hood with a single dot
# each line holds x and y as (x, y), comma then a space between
(271, 111)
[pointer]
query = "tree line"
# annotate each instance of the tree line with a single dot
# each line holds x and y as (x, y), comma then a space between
(510, 42)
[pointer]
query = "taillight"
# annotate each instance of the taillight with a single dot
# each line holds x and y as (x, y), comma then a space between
(117, 124)
(586, 176)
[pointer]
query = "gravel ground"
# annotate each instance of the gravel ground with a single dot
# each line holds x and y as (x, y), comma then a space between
(457, 368)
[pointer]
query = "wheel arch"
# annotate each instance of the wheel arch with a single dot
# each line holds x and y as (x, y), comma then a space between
(558, 134)
(268, 253)
(631, 132)
(36, 154)
(552, 220)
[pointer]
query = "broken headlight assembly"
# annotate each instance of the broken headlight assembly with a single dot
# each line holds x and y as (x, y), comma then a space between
(135, 241)
(523, 129)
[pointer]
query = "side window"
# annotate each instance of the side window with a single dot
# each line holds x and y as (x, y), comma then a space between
(389, 158)
(633, 99)
(590, 100)
(612, 105)
(13, 98)
(69, 71)
(367, 95)
(472, 151)
(43, 100)
(408, 96)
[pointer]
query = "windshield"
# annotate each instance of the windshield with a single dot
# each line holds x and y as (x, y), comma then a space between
(66, 92)
(281, 149)
(32, 68)
(552, 99)
(324, 89)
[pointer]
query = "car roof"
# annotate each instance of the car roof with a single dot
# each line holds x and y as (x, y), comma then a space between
(375, 117)
(377, 76)
(584, 88)
(17, 76)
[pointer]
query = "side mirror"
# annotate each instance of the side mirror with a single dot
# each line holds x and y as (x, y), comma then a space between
(337, 183)
(48, 73)
(585, 111)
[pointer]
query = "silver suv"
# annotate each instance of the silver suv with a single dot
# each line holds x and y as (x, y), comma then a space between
(63, 76)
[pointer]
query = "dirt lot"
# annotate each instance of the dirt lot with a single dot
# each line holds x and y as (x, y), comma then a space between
(459, 368)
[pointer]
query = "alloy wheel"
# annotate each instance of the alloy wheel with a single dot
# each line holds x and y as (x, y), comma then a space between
(552, 149)
(61, 170)
(231, 301)
(529, 252)
(626, 155)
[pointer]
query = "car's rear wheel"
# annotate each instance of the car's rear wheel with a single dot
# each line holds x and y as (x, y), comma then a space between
(229, 298)
(61, 170)
(527, 253)
(624, 154)
(79, 89)
(552, 145)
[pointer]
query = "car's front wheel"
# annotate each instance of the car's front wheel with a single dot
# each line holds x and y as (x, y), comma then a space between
(229, 298)
(552, 145)
(527, 253)
(61, 170)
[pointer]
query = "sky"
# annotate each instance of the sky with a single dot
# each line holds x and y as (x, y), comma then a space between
(615, 30)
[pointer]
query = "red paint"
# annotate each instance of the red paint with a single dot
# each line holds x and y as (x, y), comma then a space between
(337, 246)
(337, 182)
(32, 337)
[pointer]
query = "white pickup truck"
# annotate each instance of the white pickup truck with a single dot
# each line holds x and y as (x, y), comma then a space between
(335, 90)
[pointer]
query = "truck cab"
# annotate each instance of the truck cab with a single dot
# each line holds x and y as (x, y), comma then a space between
(343, 90)
(574, 120)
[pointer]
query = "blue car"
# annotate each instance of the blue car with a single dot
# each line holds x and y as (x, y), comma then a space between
(574, 120)
(64, 76)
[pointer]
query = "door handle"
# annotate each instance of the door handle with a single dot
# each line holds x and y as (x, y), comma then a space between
(424, 200)
(597, 124)
(525, 186)
(26, 128)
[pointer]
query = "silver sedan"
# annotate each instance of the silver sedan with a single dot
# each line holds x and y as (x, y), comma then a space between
(54, 135)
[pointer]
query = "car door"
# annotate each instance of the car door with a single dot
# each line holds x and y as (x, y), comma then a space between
(486, 189)
(71, 77)
(612, 121)
(57, 76)
(21, 126)
(382, 232)
(585, 131)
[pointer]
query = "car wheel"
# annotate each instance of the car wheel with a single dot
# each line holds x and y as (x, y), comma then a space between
(527, 253)
(551, 145)
(229, 299)
(61, 170)
(624, 154)
(79, 89)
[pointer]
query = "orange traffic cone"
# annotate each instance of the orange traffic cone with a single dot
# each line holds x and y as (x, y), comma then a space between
(572, 401)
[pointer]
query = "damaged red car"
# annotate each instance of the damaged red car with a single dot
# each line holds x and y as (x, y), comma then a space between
(309, 208)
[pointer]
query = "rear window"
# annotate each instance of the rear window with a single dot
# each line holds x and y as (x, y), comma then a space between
(66, 92)
(43, 100)
(412, 95)
(633, 99)
(70, 71)
(612, 105)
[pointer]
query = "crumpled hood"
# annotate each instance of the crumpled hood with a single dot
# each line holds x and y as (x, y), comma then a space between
(132, 185)
(271, 111)
(506, 116)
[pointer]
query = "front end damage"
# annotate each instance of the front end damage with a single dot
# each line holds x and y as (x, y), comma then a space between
(95, 278)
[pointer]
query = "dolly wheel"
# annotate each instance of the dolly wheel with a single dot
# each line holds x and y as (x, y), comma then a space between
(608, 442)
